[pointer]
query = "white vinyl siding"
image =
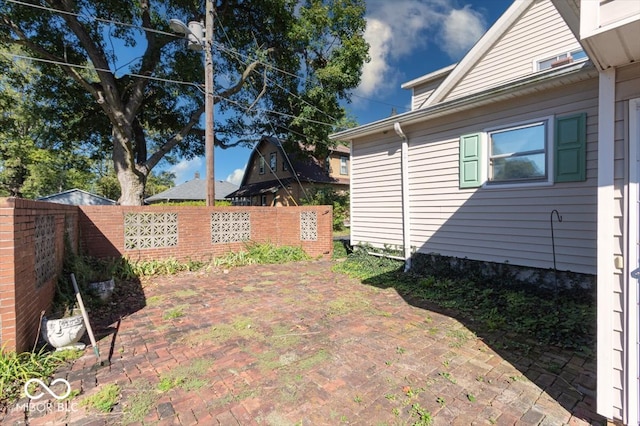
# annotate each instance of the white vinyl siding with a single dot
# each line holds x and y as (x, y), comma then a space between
(422, 92)
(540, 33)
(376, 207)
(627, 87)
(487, 224)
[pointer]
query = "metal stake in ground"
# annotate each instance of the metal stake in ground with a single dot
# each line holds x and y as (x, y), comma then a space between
(85, 316)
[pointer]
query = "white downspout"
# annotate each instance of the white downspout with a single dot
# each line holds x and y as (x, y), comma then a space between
(406, 225)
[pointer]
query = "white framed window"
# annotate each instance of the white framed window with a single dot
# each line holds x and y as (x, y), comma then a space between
(519, 153)
(261, 165)
(344, 165)
(273, 161)
(560, 59)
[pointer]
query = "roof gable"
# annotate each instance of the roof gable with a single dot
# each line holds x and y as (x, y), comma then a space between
(306, 167)
(77, 197)
(529, 30)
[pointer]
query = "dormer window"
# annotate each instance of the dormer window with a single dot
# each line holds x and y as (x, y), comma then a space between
(560, 59)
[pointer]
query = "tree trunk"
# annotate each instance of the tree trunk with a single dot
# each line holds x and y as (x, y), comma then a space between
(131, 178)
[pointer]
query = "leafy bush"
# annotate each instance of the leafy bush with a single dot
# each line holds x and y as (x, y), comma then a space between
(261, 253)
(330, 197)
(17, 368)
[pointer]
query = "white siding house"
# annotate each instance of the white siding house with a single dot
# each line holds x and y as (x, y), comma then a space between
(539, 117)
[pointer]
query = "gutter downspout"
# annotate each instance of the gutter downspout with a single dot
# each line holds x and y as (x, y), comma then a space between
(406, 225)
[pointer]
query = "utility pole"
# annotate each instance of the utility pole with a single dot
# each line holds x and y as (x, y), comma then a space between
(209, 136)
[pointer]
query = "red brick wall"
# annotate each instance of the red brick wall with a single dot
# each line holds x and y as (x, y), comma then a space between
(22, 298)
(102, 231)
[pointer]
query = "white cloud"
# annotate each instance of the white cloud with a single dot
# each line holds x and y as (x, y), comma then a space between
(461, 29)
(185, 170)
(378, 36)
(236, 176)
(396, 30)
(393, 32)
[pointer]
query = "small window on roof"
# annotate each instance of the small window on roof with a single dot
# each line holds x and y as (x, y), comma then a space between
(560, 59)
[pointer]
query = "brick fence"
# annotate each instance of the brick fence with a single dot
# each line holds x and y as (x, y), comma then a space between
(32, 244)
(200, 233)
(31, 254)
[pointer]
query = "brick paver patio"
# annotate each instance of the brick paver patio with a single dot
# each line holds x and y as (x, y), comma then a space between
(298, 344)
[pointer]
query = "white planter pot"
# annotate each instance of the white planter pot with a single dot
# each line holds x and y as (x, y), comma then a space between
(64, 333)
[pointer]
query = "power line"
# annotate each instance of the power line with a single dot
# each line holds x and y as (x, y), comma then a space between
(95, 18)
(284, 114)
(87, 67)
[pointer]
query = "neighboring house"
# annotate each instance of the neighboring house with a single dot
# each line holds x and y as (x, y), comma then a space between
(542, 114)
(77, 197)
(274, 177)
(193, 190)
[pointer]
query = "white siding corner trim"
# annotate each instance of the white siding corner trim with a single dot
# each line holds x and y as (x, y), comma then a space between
(606, 250)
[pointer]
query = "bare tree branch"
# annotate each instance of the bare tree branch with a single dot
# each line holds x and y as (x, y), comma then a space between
(150, 61)
(96, 55)
(243, 78)
(262, 92)
(176, 139)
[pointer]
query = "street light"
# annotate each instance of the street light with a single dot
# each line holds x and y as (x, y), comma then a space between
(197, 42)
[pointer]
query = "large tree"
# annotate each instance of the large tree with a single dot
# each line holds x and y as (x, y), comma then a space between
(37, 157)
(114, 69)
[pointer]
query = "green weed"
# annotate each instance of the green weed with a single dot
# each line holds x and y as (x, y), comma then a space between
(104, 400)
(448, 376)
(139, 403)
(174, 313)
(424, 417)
(188, 377)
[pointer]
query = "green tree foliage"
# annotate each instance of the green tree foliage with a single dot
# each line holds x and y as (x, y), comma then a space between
(330, 197)
(36, 159)
(281, 66)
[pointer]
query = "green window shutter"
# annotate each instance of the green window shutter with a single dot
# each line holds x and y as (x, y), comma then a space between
(470, 160)
(571, 148)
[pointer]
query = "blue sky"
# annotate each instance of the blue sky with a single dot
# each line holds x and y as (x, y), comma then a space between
(408, 39)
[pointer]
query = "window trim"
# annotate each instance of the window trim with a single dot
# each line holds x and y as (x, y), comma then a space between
(346, 165)
(549, 154)
(261, 165)
(566, 53)
(273, 161)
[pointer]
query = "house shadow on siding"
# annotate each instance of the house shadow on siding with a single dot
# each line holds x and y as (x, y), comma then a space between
(495, 311)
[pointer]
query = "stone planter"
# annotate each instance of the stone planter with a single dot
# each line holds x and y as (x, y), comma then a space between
(64, 333)
(103, 289)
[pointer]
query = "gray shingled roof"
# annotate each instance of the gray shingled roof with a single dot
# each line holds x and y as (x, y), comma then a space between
(193, 190)
(77, 197)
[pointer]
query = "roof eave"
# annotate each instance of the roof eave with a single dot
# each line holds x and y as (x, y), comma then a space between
(428, 77)
(570, 73)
